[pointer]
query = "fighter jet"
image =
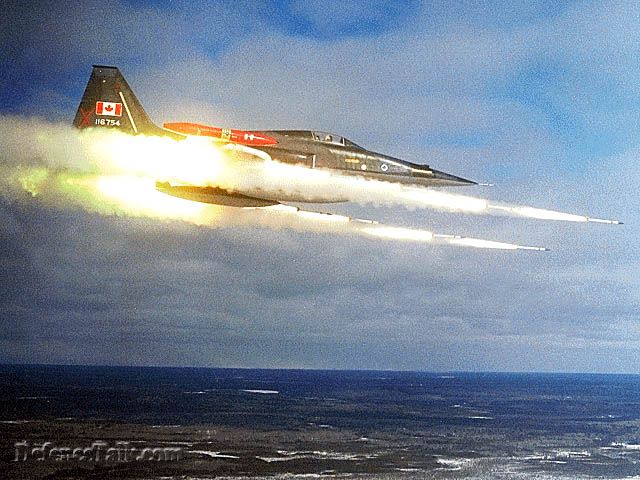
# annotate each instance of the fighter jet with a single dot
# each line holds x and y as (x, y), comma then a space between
(109, 102)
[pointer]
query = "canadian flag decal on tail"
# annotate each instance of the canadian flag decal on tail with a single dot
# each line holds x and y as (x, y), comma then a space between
(109, 109)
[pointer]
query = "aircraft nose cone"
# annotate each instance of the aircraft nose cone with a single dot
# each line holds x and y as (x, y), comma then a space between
(442, 178)
(452, 179)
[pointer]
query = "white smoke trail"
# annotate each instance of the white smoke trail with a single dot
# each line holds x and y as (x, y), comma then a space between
(113, 173)
(198, 162)
(375, 229)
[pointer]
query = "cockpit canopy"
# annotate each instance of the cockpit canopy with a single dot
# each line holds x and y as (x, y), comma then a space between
(333, 139)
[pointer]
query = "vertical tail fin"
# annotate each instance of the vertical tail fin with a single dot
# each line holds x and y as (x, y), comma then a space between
(109, 102)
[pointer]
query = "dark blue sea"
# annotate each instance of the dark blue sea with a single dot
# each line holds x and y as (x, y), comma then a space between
(323, 424)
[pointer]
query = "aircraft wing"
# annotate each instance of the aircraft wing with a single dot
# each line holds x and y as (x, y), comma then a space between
(376, 229)
(212, 195)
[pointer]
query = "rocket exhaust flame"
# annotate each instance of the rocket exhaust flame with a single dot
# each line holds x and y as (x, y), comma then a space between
(379, 230)
(137, 197)
(466, 204)
(410, 234)
(539, 213)
(114, 173)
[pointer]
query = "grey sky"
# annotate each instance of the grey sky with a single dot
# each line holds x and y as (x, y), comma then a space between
(542, 101)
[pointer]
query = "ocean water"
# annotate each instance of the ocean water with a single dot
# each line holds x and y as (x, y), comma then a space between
(240, 423)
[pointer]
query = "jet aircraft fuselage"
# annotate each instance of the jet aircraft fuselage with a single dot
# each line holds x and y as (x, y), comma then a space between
(314, 150)
(109, 102)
